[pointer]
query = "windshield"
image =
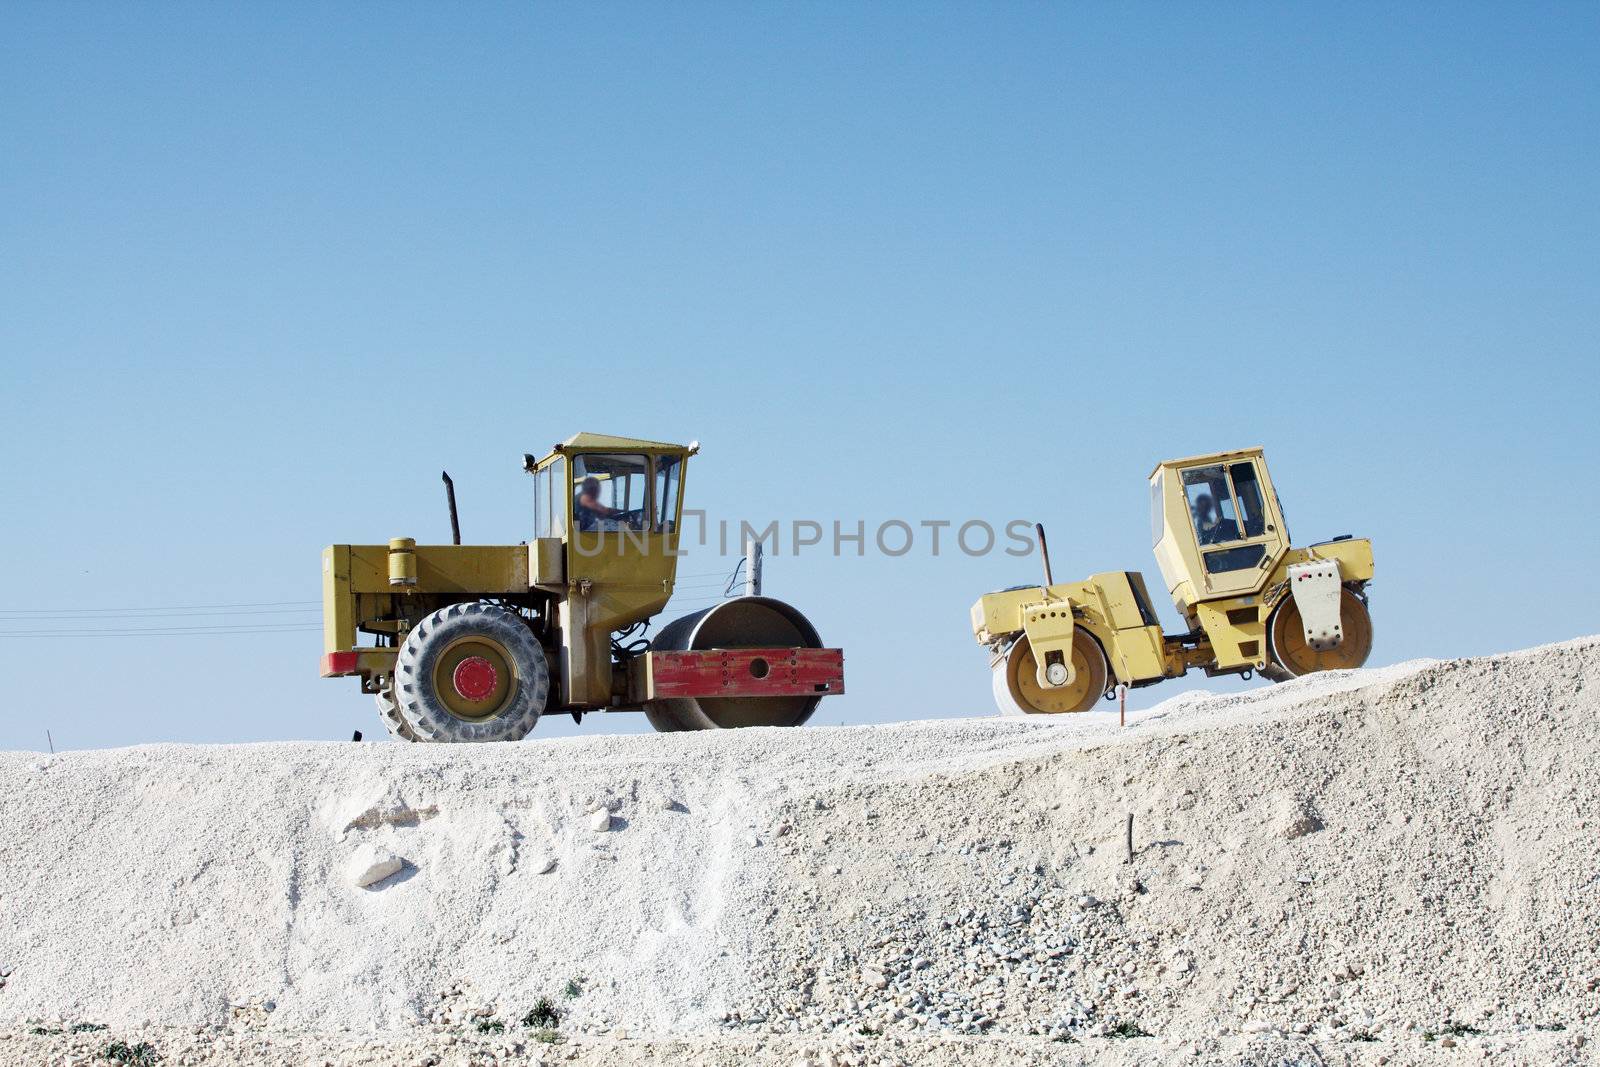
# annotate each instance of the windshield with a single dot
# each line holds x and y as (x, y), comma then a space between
(1225, 502)
(610, 491)
(1211, 505)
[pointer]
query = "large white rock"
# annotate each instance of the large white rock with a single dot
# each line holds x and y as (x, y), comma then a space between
(371, 865)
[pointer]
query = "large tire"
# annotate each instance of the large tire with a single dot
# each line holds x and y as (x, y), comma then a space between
(389, 712)
(471, 672)
(1017, 693)
(1290, 657)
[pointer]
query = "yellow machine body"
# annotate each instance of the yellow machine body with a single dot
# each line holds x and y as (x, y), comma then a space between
(596, 581)
(476, 642)
(1113, 607)
(1224, 553)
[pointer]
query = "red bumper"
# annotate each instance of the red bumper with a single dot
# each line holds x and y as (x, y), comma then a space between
(338, 664)
(743, 672)
(363, 661)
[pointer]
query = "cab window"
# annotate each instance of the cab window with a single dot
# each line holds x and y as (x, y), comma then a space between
(1235, 559)
(610, 491)
(1247, 490)
(1158, 517)
(669, 471)
(549, 500)
(1211, 505)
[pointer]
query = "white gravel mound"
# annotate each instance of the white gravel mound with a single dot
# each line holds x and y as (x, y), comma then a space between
(1378, 866)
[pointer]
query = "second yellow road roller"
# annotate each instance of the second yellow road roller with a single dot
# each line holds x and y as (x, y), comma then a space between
(1253, 603)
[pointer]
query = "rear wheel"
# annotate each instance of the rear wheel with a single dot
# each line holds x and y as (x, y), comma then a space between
(1291, 656)
(1016, 685)
(389, 712)
(471, 672)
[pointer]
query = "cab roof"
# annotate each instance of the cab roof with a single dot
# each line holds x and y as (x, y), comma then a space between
(1209, 457)
(600, 442)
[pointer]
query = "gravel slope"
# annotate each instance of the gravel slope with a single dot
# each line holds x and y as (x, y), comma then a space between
(1395, 865)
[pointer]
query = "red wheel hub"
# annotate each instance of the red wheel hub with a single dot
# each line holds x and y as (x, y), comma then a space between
(475, 678)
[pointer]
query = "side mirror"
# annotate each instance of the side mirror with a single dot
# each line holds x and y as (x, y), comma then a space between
(529, 463)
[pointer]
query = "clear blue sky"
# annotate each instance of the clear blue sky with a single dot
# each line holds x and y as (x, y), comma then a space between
(265, 270)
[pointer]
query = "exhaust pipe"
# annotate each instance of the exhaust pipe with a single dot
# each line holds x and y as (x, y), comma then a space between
(450, 496)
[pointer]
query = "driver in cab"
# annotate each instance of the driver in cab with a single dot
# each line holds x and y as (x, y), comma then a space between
(1209, 524)
(587, 509)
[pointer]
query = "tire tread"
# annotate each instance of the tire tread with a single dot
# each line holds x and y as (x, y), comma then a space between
(422, 712)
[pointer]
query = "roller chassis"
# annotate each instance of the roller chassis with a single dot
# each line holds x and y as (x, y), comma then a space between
(1179, 653)
(642, 677)
(1182, 653)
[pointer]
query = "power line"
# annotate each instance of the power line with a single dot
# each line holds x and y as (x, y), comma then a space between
(169, 607)
(155, 631)
(20, 616)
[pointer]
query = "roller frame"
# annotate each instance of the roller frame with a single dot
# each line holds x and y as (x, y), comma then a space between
(736, 672)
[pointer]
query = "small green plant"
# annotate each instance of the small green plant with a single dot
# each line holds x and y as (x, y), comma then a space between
(548, 1036)
(1064, 1039)
(868, 1031)
(543, 1015)
(574, 987)
(87, 1028)
(1550, 1028)
(1126, 1029)
(491, 1026)
(1452, 1030)
(1362, 1035)
(44, 1031)
(141, 1055)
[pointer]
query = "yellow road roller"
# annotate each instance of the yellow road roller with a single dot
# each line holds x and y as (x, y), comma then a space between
(1252, 602)
(475, 642)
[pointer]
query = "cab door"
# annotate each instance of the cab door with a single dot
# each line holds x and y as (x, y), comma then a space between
(1237, 529)
(622, 509)
(623, 540)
